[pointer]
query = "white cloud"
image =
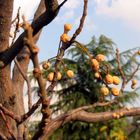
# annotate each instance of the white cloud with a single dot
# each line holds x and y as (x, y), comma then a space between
(68, 10)
(89, 25)
(71, 4)
(125, 10)
(27, 7)
(65, 17)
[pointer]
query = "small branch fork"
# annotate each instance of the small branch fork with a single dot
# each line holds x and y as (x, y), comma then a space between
(125, 81)
(80, 114)
(121, 70)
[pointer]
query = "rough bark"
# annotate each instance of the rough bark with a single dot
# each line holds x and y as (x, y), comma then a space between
(7, 97)
(44, 19)
(23, 59)
(84, 116)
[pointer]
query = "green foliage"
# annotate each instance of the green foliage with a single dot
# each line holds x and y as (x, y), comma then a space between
(83, 89)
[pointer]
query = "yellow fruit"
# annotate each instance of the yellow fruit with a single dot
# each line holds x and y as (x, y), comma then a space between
(104, 91)
(70, 73)
(50, 76)
(116, 80)
(134, 82)
(95, 64)
(95, 68)
(46, 65)
(138, 52)
(115, 91)
(97, 75)
(133, 86)
(114, 115)
(100, 57)
(109, 79)
(64, 38)
(67, 27)
(59, 76)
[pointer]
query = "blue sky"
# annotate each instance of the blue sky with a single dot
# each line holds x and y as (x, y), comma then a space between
(117, 19)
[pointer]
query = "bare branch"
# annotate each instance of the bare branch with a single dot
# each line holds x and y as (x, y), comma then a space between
(67, 45)
(61, 4)
(28, 84)
(17, 25)
(84, 116)
(30, 112)
(7, 125)
(8, 55)
(121, 70)
(9, 113)
(133, 74)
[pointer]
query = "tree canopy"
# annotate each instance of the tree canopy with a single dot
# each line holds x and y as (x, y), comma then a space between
(93, 80)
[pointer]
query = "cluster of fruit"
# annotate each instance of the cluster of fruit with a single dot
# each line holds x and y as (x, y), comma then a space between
(109, 79)
(95, 63)
(64, 37)
(50, 76)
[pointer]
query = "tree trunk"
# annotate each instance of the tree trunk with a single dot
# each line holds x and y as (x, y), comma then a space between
(7, 96)
(23, 60)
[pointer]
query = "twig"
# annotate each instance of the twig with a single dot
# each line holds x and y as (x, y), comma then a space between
(133, 74)
(7, 125)
(61, 54)
(67, 45)
(17, 25)
(60, 5)
(83, 48)
(120, 70)
(119, 64)
(98, 104)
(28, 84)
(9, 113)
(79, 29)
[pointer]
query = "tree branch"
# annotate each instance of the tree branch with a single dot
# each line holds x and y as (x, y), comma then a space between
(8, 55)
(89, 117)
(121, 70)
(9, 113)
(26, 78)
(7, 125)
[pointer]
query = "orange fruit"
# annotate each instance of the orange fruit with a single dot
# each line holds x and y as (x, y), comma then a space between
(115, 91)
(95, 64)
(46, 65)
(116, 80)
(134, 82)
(109, 79)
(100, 57)
(67, 27)
(104, 91)
(70, 73)
(59, 76)
(64, 38)
(51, 76)
(97, 75)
